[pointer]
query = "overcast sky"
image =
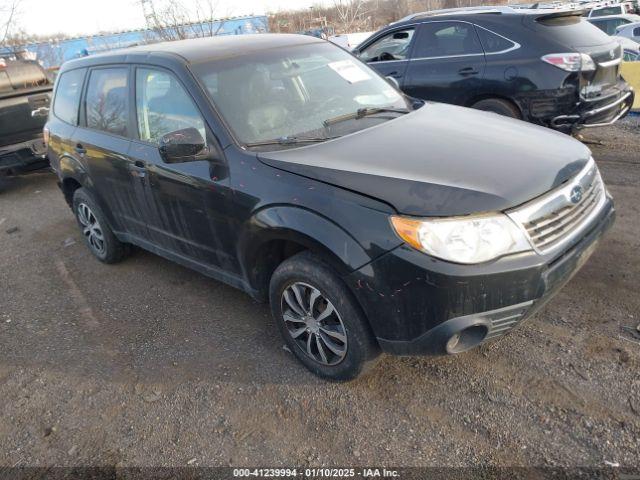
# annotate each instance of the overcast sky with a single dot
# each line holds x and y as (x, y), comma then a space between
(90, 16)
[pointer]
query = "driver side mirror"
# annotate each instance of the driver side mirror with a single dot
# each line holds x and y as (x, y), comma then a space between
(182, 146)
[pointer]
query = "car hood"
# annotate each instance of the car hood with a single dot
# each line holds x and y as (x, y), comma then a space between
(442, 160)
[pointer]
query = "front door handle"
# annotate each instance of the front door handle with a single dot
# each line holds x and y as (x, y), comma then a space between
(394, 75)
(80, 149)
(465, 72)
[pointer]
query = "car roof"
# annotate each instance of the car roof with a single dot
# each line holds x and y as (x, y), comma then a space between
(198, 50)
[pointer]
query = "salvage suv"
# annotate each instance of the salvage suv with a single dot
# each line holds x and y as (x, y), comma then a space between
(283, 166)
(549, 67)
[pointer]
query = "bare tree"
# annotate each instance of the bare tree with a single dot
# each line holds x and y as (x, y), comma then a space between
(9, 12)
(176, 20)
(350, 13)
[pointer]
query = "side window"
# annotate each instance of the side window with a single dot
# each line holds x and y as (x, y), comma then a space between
(68, 93)
(394, 46)
(107, 101)
(163, 106)
(493, 43)
(615, 24)
(636, 32)
(447, 39)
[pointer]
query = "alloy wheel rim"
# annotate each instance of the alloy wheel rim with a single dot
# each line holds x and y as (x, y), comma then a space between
(91, 229)
(314, 323)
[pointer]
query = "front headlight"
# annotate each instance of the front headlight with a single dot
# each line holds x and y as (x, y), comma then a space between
(474, 239)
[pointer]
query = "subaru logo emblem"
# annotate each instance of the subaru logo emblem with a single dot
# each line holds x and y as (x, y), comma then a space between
(576, 194)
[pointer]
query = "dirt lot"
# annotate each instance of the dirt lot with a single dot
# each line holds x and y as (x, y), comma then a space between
(147, 363)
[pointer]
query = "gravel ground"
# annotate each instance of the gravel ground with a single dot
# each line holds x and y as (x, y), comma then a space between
(146, 363)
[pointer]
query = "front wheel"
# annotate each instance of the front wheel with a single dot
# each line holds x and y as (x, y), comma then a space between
(320, 320)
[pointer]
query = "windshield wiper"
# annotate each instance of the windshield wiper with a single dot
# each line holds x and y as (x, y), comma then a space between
(289, 141)
(361, 113)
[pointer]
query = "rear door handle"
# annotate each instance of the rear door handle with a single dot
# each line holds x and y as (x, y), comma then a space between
(468, 71)
(80, 149)
(395, 75)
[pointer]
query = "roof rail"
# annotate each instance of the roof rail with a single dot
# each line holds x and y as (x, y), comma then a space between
(487, 9)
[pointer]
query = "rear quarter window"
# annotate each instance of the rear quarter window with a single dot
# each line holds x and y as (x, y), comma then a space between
(68, 92)
(493, 43)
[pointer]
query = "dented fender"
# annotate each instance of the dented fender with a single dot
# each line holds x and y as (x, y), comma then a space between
(304, 227)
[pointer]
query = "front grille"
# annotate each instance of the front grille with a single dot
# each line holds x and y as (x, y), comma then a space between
(554, 219)
(547, 230)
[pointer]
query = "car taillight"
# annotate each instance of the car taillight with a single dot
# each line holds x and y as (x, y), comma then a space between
(571, 62)
(46, 134)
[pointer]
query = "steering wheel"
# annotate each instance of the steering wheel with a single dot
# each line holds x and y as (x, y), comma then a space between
(386, 56)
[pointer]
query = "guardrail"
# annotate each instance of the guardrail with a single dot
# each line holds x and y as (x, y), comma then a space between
(631, 73)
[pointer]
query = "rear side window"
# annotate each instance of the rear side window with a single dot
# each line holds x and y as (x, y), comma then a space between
(68, 93)
(107, 101)
(493, 43)
(163, 106)
(609, 26)
(604, 12)
(636, 32)
(447, 39)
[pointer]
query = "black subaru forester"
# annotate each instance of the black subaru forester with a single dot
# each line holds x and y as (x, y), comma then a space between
(283, 166)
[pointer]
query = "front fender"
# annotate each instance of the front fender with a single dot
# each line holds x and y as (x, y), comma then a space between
(304, 227)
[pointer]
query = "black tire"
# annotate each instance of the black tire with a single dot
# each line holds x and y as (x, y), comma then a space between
(107, 250)
(497, 105)
(361, 349)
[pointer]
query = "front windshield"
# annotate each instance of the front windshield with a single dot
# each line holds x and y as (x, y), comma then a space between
(291, 92)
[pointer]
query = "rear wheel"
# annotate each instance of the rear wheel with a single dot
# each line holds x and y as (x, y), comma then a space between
(96, 232)
(319, 319)
(498, 105)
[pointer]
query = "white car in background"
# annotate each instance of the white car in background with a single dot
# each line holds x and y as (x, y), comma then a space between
(349, 41)
(610, 10)
(629, 30)
(610, 24)
(630, 49)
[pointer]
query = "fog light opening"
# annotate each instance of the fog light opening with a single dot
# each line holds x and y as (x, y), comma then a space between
(466, 339)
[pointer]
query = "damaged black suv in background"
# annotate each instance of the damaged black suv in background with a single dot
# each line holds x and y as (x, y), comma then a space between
(549, 67)
(282, 165)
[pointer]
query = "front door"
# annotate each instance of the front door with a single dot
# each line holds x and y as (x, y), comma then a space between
(187, 201)
(103, 140)
(447, 63)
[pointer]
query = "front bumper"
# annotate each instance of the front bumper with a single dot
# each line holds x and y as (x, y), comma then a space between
(415, 303)
(23, 156)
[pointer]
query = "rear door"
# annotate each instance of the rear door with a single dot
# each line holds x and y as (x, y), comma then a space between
(447, 63)
(103, 142)
(389, 53)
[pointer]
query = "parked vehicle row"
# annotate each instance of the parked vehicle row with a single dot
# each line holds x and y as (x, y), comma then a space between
(551, 68)
(284, 166)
